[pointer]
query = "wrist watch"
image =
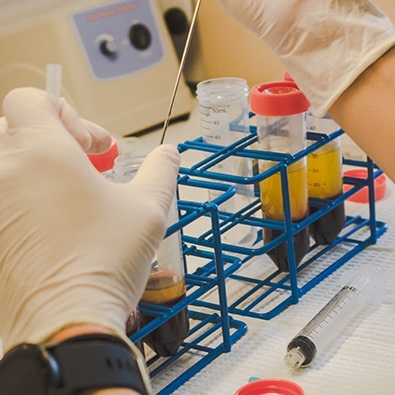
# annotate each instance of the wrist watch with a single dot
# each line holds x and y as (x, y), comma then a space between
(87, 362)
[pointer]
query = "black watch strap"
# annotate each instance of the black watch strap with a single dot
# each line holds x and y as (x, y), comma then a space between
(80, 363)
(95, 361)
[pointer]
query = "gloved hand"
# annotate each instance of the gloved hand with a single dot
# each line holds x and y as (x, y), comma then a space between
(92, 138)
(74, 247)
(324, 44)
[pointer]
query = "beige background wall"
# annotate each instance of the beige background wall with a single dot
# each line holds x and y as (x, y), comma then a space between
(229, 49)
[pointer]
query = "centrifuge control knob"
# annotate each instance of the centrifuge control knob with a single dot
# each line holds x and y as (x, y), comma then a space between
(140, 36)
(108, 47)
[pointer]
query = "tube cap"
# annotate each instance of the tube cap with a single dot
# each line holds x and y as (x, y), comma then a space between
(271, 387)
(279, 98)
(287, 76)
(362, 196)
(105, 160)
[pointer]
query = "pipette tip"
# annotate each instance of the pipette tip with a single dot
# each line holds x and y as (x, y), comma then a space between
(53, 82)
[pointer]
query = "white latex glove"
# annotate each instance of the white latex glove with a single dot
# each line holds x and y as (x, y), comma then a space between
(324, 44)
(74, 247)
(92, 138)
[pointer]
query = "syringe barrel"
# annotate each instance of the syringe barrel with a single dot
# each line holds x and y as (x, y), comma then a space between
(359, 288)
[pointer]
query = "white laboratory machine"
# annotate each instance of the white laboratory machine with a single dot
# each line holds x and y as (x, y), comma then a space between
(119, 57)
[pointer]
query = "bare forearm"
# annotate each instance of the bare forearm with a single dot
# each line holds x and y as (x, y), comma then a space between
(366, 112)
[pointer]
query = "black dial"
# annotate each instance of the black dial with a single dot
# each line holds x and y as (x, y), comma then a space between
(108, 47)
(140, 36)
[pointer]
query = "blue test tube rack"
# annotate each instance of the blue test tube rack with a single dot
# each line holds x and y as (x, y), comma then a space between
(222, 264)
(277, 283)
(212, 331)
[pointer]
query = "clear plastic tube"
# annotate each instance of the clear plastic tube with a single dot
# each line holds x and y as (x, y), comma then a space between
(360, 287)
(224, 117)
(280, 109)
(166, 284)
(53, 82)
(325, 180)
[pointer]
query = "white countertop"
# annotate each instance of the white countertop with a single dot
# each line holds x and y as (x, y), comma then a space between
(357, 362)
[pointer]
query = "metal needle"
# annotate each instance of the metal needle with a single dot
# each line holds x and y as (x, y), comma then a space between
(180, 70)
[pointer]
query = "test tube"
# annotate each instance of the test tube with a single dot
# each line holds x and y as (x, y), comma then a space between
(224, 116)
(166, 283)
(324, 177)
(104, 163)
(280, 109)
(53, 83)
(325, 181)
(360, 287)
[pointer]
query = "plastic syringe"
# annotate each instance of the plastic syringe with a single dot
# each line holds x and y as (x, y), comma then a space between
(360, 287)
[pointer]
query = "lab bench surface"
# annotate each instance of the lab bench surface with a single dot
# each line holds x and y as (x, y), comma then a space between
(358, 361)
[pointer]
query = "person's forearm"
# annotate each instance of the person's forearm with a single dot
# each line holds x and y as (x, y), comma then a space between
(83, 329)
(366, 112)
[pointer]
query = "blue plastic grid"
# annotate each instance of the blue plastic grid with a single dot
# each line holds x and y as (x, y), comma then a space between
(213, 333)
(276, 290)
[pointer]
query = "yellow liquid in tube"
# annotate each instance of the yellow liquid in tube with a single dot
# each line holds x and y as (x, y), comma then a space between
(324, 175)
(272, 207)
(164, 291)
(271, 193)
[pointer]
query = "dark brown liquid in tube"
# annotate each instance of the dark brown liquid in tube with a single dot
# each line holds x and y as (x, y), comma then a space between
(326, 229)
(279, 255)
(163, 289)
